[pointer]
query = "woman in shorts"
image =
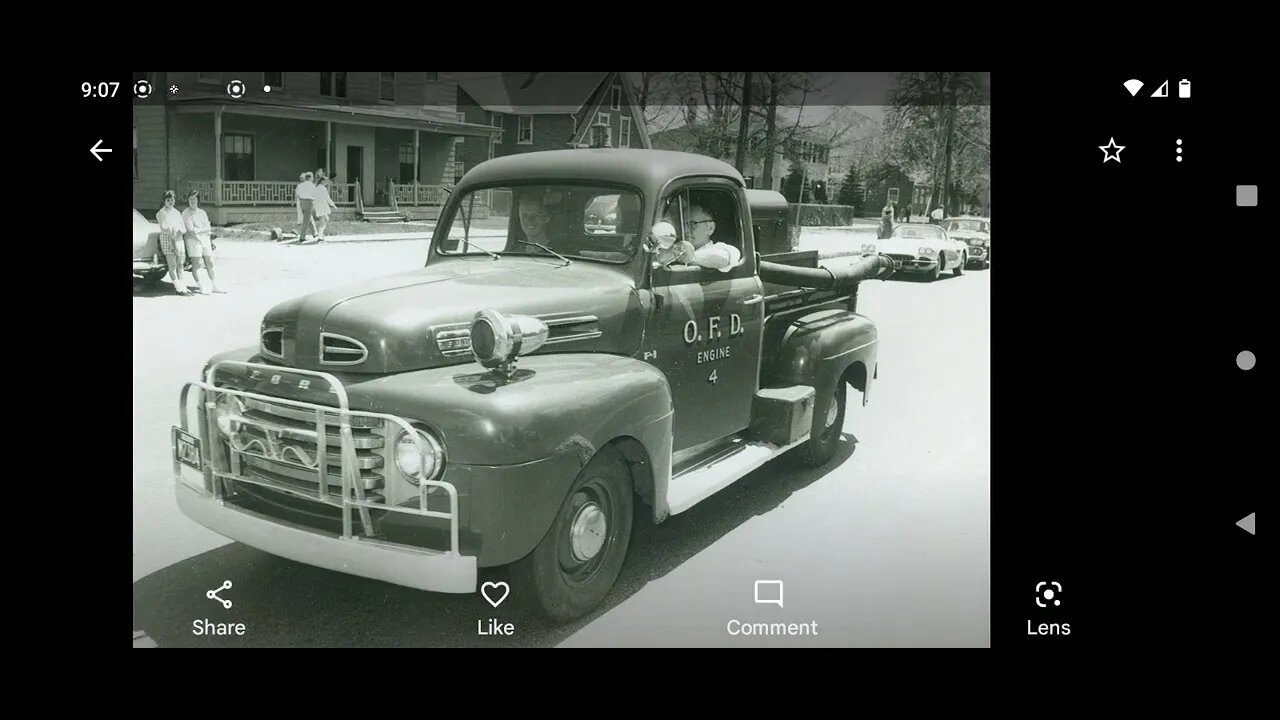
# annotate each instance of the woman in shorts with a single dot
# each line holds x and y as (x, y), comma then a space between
(172, 231)
(199, 241)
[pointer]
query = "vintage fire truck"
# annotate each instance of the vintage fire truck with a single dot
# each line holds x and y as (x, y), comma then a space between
(543, 378)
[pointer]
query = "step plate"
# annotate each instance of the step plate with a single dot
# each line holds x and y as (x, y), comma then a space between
(720, 471)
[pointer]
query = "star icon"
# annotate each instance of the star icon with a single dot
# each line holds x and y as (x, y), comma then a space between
(1106, 151)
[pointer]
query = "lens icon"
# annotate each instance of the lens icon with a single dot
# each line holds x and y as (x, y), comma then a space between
(142, 89)
(235, 89)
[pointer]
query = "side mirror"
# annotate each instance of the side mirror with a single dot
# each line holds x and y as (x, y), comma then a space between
(662, 235)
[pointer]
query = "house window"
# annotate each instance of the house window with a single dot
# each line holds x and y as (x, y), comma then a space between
(602, 118)
(433, 77)
(525, 135)
(406, 163)
(462, 117)
(616, 101)
(893, 195)
(237, 157)
(388, 91)
(459, 169)
(274, 80)
(333, 84)
(624, 132)
(208, 77)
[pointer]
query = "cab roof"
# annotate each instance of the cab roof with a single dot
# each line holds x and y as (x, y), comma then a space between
(640, 168)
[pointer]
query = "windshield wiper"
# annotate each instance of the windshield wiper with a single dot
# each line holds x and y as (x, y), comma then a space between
(566, 260)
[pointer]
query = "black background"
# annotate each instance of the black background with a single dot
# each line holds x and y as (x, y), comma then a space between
(1126, 442)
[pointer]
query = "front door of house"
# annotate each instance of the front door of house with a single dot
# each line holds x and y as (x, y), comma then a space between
(355, 169)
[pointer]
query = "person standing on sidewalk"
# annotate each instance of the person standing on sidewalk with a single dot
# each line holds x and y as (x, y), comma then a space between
(324, 206)
(172, 231)
(199, 241)
(886, 222)
(305, 195)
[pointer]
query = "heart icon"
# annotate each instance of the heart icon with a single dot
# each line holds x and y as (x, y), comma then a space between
(484, 590)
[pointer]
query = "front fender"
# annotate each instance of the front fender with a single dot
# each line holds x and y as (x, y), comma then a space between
(818, 348)
(555, 404)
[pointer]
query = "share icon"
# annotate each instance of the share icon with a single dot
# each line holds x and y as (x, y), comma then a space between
(213, 594)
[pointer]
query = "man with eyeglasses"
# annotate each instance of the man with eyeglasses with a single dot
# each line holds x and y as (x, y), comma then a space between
(697, 248)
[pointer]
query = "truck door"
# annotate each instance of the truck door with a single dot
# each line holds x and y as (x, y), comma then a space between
(705, 328)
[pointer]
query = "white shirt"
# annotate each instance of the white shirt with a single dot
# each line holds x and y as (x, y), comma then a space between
(197, 223)
(170, 221)
(720, 256)
(937, 213)
(306, 190)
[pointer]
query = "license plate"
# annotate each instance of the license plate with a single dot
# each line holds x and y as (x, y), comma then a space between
(186, 448)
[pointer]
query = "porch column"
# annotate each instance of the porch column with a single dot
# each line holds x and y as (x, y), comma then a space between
(328, 147)
(217, 157)
(416, 151)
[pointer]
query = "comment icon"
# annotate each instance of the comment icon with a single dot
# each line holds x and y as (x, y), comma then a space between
(769, 592)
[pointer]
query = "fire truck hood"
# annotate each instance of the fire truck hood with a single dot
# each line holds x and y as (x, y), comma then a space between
(389, 324)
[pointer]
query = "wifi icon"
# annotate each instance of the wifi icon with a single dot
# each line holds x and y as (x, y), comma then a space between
(1133, 86)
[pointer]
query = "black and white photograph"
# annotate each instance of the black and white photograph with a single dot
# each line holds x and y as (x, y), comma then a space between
(562, 359)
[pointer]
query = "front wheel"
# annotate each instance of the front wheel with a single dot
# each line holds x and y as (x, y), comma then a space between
(824, 437)
(964, 259)
(936, 272)
(575, 565)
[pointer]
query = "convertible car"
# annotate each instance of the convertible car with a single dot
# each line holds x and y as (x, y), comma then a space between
(974, 232)
(148, 261)
(922, 249)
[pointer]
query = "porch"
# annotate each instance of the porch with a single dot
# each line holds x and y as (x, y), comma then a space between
(245, 159)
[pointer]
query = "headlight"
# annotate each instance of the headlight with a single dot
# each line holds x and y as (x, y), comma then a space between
(928, 251)
(498, 339)
(415, 465)
(868, 248)
(229, 411)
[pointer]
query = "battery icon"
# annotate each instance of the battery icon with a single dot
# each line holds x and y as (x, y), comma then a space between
(1184, 89)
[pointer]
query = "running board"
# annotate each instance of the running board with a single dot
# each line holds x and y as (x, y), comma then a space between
(719, 471)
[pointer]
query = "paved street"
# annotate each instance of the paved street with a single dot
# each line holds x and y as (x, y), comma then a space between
(889, 545)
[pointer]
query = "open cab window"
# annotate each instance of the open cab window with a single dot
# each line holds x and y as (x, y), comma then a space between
(575, 221)
(703, 217)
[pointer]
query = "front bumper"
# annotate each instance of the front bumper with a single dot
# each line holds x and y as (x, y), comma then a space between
(207, 472)
(918, 266)
(413, 567)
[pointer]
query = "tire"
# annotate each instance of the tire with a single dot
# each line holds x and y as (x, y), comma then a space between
(964, 260)
(824, 437)
(554, 578)
(936, 272)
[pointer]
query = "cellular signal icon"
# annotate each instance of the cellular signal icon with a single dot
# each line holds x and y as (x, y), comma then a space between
(1133, 86)
(1162, 91)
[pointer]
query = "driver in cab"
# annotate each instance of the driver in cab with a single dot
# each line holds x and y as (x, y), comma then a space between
(698, 249)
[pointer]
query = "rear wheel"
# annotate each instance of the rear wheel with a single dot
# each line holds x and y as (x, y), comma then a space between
(575, 565)
(825, 434)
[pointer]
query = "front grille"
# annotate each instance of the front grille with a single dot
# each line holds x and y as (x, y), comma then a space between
(282, 428)
(341, 350)
(902, 258)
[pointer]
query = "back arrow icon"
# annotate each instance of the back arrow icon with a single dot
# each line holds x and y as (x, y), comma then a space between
(97, 148)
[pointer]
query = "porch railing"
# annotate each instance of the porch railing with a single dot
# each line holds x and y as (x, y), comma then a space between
(254, 193)
(418, 194)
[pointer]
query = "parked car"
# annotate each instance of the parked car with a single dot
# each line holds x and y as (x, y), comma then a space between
(602, 216)
(922, 248)
(148, 262)
(974, 232)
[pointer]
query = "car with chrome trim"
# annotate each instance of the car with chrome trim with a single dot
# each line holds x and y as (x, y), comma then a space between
(149, 263)
(974, 232)
(527, 392)
(922, 249)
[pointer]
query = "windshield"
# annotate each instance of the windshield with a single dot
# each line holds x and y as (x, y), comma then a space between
(967, 226)
(919, 232)
(574, 221)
